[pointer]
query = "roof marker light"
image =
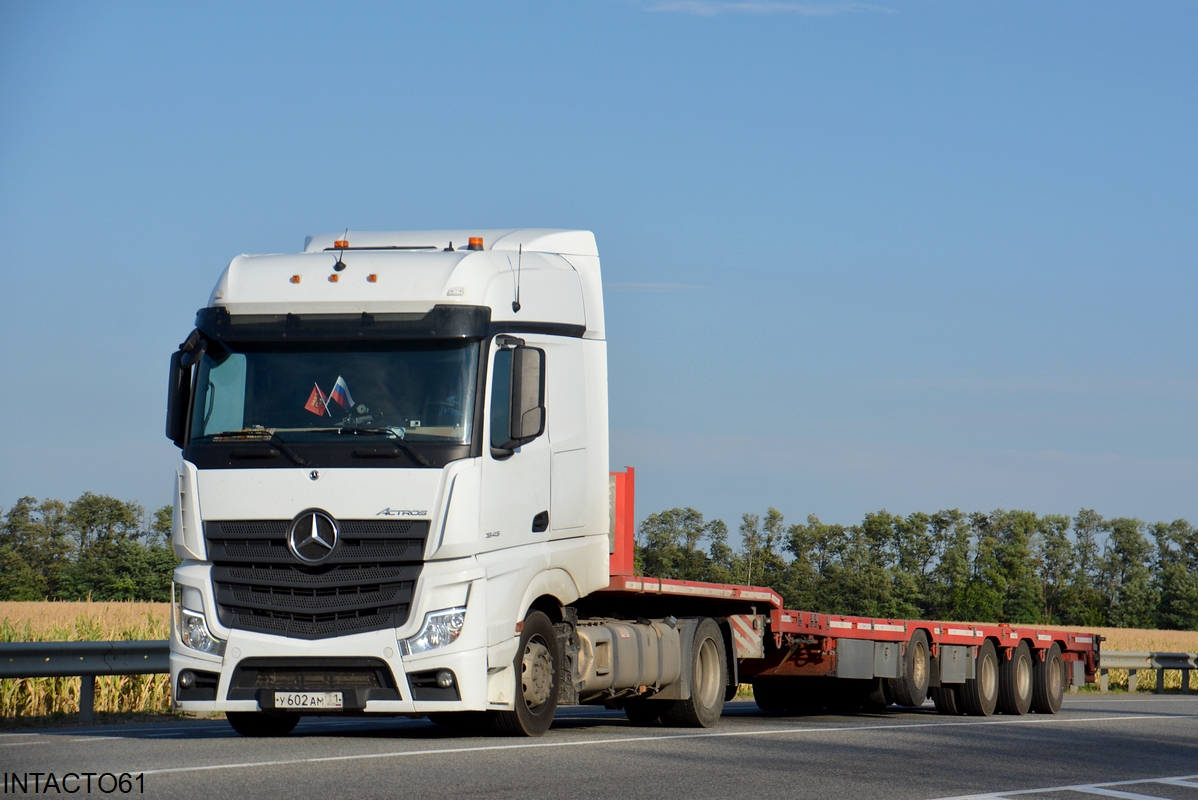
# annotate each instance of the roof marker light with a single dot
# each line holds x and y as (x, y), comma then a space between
(476, 243)
(334, 278)
(341, 244)
(295, 278)
(372, 278)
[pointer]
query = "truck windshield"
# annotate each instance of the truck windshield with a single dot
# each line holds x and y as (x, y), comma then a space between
(420, 391)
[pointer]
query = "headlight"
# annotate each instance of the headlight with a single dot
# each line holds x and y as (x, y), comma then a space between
(191, 625)
(440, 628)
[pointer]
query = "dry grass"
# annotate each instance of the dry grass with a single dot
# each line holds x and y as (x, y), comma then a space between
(43, 622)
(1138, 640)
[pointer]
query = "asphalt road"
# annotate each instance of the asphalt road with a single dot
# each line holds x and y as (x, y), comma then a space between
(593, 753)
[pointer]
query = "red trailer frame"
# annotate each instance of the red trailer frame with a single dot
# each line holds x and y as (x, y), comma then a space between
(771, 641)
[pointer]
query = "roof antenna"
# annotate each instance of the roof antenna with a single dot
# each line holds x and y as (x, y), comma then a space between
(519, 264)
(341, 244)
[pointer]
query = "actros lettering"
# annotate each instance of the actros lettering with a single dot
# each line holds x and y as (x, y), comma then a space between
(401, 512)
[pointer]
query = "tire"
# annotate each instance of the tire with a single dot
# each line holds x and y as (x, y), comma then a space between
(807, 696)
(643, 713)
(848, 695)
(262, 723)
(537, 664)
(878, 698)
(709, 677)
(771, 696)
(979, 695)
(1048, 682)
(911, 690)
(947, 700)
(1015, 681)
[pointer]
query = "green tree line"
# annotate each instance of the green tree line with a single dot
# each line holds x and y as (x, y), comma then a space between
(94, 547)
(1004, 566)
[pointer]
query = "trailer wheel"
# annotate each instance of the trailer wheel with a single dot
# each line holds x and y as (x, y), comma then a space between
(536, 666)
(878, 698)
(946, 699)
(1015, 681)
(771, 696)
(979, 695)
(262, 723)
(708, 679)
(912, 689)
(1048, 682)
(806, 695)
(642, 713)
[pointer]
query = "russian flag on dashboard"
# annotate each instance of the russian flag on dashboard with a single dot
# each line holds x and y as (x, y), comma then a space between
(341, 394)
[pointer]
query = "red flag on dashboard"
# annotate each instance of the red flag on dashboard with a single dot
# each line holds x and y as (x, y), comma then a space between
(318, 402)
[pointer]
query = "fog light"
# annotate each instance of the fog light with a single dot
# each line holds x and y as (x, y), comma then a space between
(187, 679)
(445, 679)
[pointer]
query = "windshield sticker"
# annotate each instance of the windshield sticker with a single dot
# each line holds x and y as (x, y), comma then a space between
(341, 394)
(318, 402)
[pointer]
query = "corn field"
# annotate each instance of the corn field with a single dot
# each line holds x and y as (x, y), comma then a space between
(85, 621)
(78, 622)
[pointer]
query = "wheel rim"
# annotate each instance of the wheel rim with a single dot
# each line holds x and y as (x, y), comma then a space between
(919, 670)
(988, 677)
(1023, 676)
(707, 680)
(536, 673)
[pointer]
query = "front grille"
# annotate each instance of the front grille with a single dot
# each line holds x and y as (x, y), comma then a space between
(365, 584)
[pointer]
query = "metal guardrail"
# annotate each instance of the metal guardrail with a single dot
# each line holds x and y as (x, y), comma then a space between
(1133, 662)
(86, 659)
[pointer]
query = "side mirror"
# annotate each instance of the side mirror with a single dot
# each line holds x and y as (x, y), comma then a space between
(178, 393)
(517, 398)
(527, 419)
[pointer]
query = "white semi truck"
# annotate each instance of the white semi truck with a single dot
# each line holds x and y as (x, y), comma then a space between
(394, 499)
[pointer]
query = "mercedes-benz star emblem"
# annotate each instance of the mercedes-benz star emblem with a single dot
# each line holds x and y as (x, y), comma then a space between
(312, 536)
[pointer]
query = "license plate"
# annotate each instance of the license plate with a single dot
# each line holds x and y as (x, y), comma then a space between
(301, 700)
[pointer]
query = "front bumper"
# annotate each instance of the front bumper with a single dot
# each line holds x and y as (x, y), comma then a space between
(442, 585)
(469, 667)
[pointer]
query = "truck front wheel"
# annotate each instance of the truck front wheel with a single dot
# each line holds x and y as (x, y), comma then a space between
(709, 677)
(537, 663)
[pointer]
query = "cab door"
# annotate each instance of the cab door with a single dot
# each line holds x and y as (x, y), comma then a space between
(515, 498)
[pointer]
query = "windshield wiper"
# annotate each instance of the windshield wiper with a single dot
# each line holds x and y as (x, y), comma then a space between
(394, 438)
(256, 434)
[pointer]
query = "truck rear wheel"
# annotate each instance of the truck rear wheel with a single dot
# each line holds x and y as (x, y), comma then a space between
(709, 677)
(1048, 682)
(262, 723)
(912, 688)
(946, 699)
(979, 695)
(1015, 681)
(537, 663)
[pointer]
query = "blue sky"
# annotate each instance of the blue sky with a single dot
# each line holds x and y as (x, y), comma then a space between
(910, 256)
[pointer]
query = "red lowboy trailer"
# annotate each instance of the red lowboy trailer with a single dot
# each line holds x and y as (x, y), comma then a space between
(802, 661)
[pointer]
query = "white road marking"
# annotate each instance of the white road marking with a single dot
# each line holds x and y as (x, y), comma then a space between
(1100, 789)
(665, 738)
